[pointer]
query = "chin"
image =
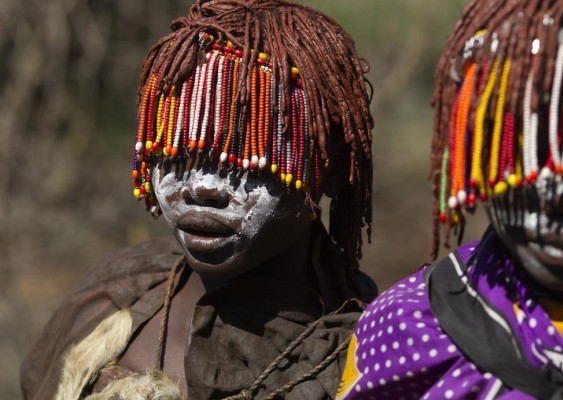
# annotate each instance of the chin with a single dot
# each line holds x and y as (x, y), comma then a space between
(222, 264)
(229, 269)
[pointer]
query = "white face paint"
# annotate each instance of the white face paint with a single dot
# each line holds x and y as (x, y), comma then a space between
(530, 224)
(229, 224)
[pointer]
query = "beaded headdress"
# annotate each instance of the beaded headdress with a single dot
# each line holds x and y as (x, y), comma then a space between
(266, 87)
(497, 126)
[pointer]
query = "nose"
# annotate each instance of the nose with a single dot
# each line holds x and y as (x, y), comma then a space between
(205, 192)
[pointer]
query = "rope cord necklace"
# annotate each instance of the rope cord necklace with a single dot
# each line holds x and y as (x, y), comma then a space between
(246, 394)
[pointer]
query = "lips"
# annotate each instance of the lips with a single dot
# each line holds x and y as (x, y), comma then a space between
(205, 232)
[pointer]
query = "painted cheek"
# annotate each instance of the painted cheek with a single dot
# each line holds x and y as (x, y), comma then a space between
(166, 191)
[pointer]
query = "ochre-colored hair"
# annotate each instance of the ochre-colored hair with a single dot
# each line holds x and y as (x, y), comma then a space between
(497, 124)
(294, 85)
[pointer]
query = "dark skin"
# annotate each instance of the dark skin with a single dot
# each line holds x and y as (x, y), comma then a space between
(287, 262)
(529, 224)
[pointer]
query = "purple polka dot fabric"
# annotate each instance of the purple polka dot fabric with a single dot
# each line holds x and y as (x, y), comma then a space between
(399, 350)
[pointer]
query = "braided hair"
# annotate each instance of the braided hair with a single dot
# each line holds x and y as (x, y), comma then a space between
(497, 108)
(316, 105)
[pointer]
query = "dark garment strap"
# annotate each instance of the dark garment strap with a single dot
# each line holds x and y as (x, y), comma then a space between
(483, 334)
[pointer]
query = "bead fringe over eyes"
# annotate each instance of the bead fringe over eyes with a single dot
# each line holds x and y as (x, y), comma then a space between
(202, 117)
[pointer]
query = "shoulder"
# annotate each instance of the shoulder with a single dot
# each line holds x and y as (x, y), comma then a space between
(150, 256)
(397, 344)
(399, 325)
(400, 351)
(115, 282)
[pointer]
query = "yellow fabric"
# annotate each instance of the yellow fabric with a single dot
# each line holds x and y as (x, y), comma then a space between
(553, 309)
(555, 312)
(351, 374)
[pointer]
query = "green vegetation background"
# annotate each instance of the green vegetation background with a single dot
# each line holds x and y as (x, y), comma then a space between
(68, 75)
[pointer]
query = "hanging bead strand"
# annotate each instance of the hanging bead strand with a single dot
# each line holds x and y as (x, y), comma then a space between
(150, 120)
(495, 153)
(269, 117)
(141, 126)
(226, 133)
(254, 118)
(529, 122)
(220, 129)
(161, 138)
(172, 117)
(242, 123)
(180, 120)
(232, 116)
(187, 113)
(198, 106)
(207, 95)
(302, 140)
(477, 176)
(193, 107)
(293, 138)
(554, 109)
(219, 108)
(452, 203)
(262, 101)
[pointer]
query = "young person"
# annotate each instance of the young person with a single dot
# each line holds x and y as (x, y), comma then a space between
(486, 321)
(248, 111)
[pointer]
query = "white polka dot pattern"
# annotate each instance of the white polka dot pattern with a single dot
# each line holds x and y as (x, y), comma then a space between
(404, 354)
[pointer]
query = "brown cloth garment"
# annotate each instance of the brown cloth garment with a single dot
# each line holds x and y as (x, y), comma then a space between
(233, 337)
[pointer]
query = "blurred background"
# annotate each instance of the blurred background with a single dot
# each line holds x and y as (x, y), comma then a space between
(68, 76)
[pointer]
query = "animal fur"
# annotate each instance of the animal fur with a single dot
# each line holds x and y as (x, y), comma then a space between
(87, 357)
(153, 386)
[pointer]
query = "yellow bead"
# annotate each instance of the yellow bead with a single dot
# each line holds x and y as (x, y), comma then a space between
(288, 178)
(500, 188)
(282, 177)
(298, 185)
(137, 192)
(230, 44)
(294, 70)
(262, 56)
(274, 169)
(165, 151)
(455, 219)
(512, 180)
(313, 216)
(147, 186)
(148, 145)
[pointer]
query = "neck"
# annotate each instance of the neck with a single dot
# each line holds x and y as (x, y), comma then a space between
(290, 265)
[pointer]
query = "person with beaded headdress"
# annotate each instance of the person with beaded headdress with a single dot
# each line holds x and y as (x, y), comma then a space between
(248, 111)
(486, 322)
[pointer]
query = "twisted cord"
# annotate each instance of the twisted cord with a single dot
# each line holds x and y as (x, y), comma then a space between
(159, 361)
(312, 373)
(247, 394)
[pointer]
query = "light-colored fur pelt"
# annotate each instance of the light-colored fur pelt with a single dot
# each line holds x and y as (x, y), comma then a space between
(153, 386)
(87, 357)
